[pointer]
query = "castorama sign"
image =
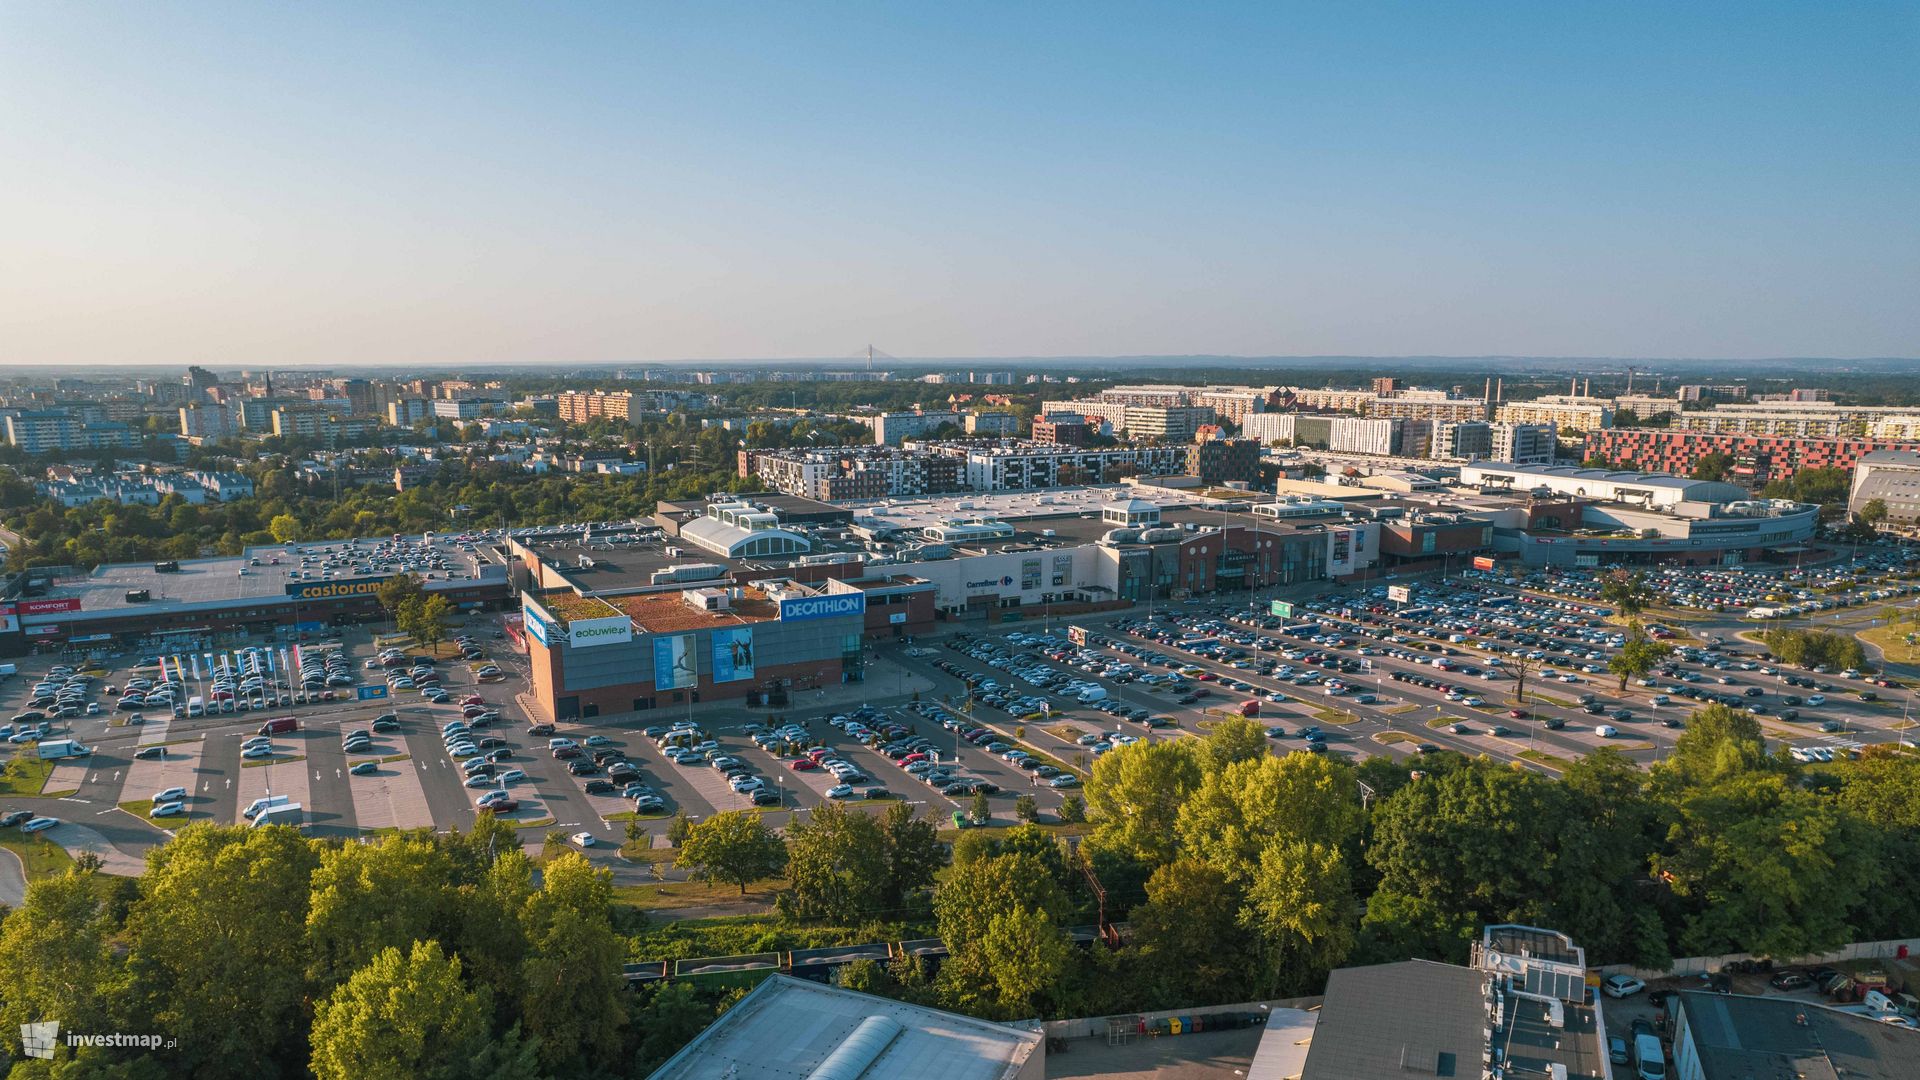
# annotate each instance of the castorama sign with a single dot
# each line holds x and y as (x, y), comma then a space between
(612, 630)
(823, 607)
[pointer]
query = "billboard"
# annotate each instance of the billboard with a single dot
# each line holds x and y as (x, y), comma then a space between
(673, 662)
(1482, 562)
(612, 630)
(733, 654)
(824, 607)
(369, 693)
(334, 590)
(1283, 609)
(1399, 594)
(1077, 635)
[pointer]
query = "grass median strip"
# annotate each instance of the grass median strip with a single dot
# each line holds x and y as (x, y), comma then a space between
(41, 857)
(1551, 761)
(277, 759)
(396, 757)
(1388, 738)
(1402, 710)
(25, 775)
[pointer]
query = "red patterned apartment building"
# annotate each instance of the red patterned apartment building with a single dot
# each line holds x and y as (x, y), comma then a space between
(1757, 458)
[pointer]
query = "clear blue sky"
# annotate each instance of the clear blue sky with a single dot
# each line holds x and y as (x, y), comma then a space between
(254, 183)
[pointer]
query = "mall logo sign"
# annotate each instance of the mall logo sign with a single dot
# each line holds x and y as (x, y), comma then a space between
(823, 607)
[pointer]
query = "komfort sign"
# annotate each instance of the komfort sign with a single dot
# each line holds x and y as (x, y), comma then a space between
(823, 607)
(612, 630)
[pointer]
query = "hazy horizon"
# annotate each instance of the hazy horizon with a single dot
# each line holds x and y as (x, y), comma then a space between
(357, 185)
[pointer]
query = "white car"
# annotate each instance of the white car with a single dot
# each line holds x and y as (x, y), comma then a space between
(167, 809)
(39, 824)
(257, 752)
(1619, 986)
(1817, 699)
(172, 794)
(512, 776)
(840, 791)
(582, 839)
(1606, 731)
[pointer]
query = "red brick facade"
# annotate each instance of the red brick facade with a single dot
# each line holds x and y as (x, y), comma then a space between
(1761, 457)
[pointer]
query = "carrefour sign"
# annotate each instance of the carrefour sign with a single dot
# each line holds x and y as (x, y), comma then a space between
(612, 630)
(823, 607)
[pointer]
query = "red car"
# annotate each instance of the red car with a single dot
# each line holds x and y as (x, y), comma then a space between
(504, 806)
(1517, 714)
(802, 764)
(911, 758)
(472, 699)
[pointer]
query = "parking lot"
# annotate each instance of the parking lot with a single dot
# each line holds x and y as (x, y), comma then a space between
(1012, 712)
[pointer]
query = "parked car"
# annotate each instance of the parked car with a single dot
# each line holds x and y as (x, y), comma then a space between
(1619, 986)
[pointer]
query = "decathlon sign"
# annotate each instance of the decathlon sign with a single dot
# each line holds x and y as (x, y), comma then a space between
(823, 607)
(612, 630)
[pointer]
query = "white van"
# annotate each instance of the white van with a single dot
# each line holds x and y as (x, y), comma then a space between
(255, 807)
(1649, 1061)
(1092, 694)
(196, 706)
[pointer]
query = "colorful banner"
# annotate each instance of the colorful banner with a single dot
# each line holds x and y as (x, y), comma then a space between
(733, 654)
(673, 662)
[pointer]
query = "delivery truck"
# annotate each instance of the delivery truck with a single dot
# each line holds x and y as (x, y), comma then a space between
(284, 814)
(55, 749)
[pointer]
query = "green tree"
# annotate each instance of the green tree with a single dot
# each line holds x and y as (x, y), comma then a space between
(571, 981)
(974, 892)
(1457, 851)
(1233, 741)
(734, 847)
(1767, 867)
(1189, 939)
(1235, 812)
(1135, 795)
(679, 827)
(56, 958)
(1073, 810)
(401, 1015)
(1874, 512)
(1300, 902)
(913, 851)
(1713, 466)
(1026, 809)
(836, 866)
(1627, 591)
(216, 947)
(981, 811)
(1719, 742)
(396, 591)
(285, 528)
(369, 897)
(1637, 657)
(1028, 957)
(425, 619)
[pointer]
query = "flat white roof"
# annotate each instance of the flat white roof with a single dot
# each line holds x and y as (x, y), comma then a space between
(787, 1027)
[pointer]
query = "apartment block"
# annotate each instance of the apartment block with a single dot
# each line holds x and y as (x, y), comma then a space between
(209, 421)
(892, 429)
(1524, 444)
(1758, 458)
(996, 424)
(1061, 428)
(1223, 461)
(1565, 411)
